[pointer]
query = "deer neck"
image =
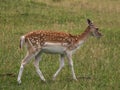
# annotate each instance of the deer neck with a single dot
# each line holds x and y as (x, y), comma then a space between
(82, 37)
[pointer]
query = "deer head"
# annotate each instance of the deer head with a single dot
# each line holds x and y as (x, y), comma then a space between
(94, 30)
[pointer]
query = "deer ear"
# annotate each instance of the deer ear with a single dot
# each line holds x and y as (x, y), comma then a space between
(89, 21)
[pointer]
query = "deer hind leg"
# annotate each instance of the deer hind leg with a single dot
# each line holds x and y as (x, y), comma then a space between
(23, 63)
(69, 56)
(36, 64)
(60, 67)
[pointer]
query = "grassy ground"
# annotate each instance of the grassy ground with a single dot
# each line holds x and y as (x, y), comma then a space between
(97, 63)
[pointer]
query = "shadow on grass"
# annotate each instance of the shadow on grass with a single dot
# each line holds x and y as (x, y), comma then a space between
(8, 74)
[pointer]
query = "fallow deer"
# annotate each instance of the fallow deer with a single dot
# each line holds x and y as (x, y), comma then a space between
(65, 44)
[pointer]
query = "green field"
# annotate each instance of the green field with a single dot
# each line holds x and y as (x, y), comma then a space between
(96, 63)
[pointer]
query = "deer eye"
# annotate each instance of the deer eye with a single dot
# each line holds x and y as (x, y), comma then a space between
(97, 28)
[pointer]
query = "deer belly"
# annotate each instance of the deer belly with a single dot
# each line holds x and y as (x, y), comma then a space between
(54, 48)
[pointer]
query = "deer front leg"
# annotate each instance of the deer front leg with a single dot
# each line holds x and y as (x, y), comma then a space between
(69, 57)
(36, 64)
(60, 67)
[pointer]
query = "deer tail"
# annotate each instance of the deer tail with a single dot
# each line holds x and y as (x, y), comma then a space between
(22, 41)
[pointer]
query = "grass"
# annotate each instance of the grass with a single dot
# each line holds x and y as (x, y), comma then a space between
(97, 63)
